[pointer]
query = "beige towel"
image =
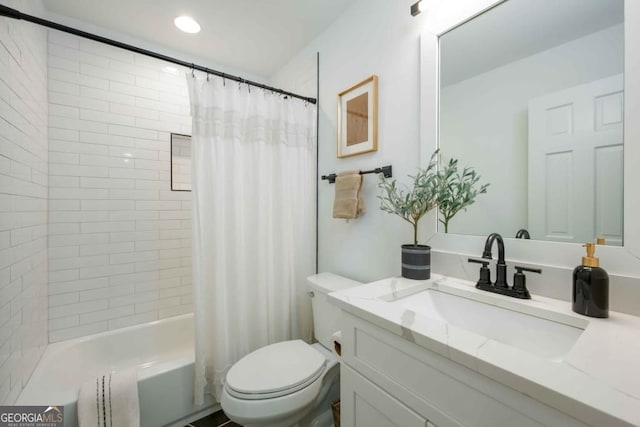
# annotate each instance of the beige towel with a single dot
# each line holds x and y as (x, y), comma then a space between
(348, 203)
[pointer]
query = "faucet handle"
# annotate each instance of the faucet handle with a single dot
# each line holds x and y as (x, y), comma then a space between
(520, 281)
(520, 269)
(485, 273)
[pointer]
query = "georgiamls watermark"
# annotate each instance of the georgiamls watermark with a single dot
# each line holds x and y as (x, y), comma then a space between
(31, 416)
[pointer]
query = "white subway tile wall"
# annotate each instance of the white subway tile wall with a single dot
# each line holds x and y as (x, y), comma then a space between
(23, 199)
(120, 239)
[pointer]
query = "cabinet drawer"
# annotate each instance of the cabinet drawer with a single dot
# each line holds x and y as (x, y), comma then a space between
(363, 404)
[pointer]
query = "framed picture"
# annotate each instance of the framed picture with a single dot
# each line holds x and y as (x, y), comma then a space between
(180, 162)
(358, 118)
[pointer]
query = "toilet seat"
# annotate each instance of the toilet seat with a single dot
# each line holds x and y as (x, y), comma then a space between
(275, 370)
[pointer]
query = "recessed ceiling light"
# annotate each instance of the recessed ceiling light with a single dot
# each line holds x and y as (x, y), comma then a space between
(187, 24)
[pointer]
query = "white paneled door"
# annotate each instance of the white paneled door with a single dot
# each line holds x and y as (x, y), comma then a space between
(576, 163)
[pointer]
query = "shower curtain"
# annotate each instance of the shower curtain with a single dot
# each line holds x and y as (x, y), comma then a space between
(253, 209)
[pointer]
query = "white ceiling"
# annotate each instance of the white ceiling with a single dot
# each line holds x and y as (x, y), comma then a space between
(254, 36)
(519, 28)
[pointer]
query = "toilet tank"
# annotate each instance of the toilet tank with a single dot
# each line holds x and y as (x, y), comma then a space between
(325, 314)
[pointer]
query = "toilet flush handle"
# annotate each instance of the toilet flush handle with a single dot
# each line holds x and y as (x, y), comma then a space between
(311, 294)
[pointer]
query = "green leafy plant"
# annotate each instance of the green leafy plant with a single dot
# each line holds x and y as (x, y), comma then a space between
(450, 189)
(456, 190)
(413, 203)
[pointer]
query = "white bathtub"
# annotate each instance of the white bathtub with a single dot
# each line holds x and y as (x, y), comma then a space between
(162, 352)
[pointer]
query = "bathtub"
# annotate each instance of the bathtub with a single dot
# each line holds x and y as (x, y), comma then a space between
(161, 351)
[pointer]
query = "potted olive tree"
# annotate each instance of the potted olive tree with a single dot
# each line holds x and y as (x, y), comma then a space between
(411, 204)
(449, 189)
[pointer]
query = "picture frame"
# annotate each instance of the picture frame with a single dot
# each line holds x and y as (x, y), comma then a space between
(358, 118)
(180, 162)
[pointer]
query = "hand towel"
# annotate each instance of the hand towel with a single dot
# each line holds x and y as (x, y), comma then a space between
(110, 400)
(348, 203)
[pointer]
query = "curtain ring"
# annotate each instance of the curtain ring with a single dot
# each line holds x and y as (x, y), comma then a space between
(207, 74)
(193, 68)
(224, 81)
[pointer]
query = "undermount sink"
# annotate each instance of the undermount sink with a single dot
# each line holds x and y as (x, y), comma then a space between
(545, 338)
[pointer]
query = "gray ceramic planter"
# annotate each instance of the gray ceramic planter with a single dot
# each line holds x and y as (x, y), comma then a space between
(416, 262)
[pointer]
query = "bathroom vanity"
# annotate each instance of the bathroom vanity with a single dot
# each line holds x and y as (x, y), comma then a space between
(442, 353)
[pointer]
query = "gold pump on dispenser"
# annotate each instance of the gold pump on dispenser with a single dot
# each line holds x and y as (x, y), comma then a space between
(591, 286)
(590, 260)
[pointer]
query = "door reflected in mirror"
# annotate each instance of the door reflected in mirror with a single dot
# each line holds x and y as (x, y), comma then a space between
(531, 96)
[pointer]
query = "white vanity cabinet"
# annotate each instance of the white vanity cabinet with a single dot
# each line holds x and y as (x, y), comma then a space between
(387, 380)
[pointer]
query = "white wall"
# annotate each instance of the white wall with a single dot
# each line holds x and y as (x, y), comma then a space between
(372, 37)
(300, 75)
(120, 239)
(23, 199)
(494, 109)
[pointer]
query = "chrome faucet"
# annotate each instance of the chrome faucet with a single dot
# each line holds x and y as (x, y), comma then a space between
(501, 266)
(519, 289)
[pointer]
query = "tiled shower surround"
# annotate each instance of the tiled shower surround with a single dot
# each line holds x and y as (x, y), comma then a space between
(23, 200)
(119, 238)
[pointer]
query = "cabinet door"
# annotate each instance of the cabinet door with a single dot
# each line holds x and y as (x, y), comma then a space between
(364, 404)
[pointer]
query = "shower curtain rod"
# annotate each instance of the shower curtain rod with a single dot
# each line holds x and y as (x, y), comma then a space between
(15, 14)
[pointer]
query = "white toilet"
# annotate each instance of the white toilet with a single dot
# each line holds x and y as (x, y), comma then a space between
(290, 382)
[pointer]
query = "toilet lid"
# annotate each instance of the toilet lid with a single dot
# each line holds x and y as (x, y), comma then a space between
(275, 370)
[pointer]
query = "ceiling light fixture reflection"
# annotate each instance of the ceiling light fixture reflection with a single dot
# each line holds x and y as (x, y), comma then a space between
(187, 24)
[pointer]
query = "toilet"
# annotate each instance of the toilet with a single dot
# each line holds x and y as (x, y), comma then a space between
(291, 382)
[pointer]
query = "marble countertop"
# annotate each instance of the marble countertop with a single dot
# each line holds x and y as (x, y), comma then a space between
(597, 381)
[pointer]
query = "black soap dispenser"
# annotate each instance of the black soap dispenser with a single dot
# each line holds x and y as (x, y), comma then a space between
(591, 286)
